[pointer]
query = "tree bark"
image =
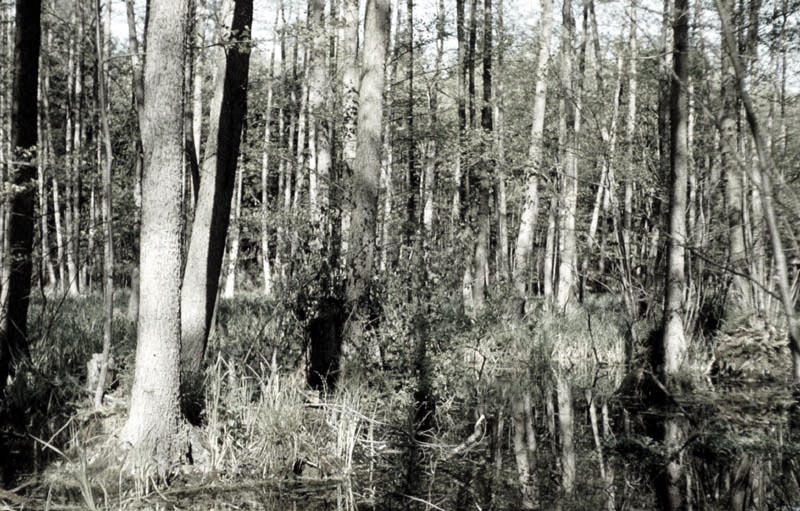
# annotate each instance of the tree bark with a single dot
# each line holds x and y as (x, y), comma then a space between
(138, 165)
(20, 228)
(153, 423)
(530, 209)
(212, 214)
(366, 170)
(108, 241)
(670, 356)
(567, 244)
(733, 174)
(46, 156)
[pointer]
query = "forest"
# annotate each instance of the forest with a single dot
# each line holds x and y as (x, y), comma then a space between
(387, 254)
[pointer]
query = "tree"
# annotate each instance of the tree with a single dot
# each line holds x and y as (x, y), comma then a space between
(670, 356)
(108, 240)
(533, 167)
(212, 214)
(367, 165)
(153, 423)
(20, 227)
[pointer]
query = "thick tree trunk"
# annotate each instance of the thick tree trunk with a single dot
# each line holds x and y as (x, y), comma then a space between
(19, 230)
(153, 423)
(212, 215)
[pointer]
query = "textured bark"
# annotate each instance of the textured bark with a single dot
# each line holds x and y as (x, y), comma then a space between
(530, 209)
(153, 423)
(212, 214)
(20, 227)
(366, 169)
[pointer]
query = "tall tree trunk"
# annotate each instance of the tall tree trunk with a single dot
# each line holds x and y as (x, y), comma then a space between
(138, 165)
(212, 215)
(733, 174)
(46, 157)
(533, 168)
(480, 264)
(670, 356)
(567, 244)
(265, 163)
(101, 33)
(366, 170)
(626, 239)
(387, 164)
(154, 416)
(71, 126)
(19, 230)
(503, 254)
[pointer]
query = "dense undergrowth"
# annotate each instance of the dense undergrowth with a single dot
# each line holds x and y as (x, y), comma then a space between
(263, 440)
